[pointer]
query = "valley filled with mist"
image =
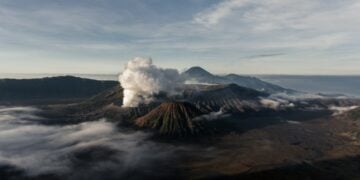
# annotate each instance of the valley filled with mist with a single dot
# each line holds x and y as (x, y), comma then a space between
(179, 89)
(157, 123)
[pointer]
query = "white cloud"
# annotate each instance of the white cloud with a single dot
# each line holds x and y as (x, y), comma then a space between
(213, 15)
(228, 30)
(270, 103)
(285, 16)
(316, 42)
(40, 149)
(341, 110)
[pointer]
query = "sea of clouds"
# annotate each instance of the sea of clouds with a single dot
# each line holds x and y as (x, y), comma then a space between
(78, 151)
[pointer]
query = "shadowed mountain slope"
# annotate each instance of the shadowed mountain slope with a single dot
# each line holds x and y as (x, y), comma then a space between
(53, 88)
(199, 75)
(228, 97)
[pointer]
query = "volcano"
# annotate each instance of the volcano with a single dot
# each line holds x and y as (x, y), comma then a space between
(198, 74)
(173, 118)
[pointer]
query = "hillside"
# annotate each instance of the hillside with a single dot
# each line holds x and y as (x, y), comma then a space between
(198, 74)
(50, 89)
(229, 97)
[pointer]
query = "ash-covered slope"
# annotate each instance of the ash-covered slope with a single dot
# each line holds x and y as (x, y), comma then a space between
(207, 99)
(231, 98)
(113, 96)
(198, 74)
(107, 104)
(173, 118)
(354, 114)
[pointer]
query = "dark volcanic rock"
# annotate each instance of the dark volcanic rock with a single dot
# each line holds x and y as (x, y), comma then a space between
(173, 118)
(227, 91)
(112, 96)
(231, 98)
(54, 88)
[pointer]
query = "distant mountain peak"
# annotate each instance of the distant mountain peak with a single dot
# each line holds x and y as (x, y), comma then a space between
(200, 75)
(197, 70)
(232, 74)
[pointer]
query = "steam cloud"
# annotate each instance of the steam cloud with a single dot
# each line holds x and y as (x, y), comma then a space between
(142, 80)
(212, 116)
(270, 103)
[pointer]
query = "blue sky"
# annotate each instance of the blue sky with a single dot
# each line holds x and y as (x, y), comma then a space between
(238, 36)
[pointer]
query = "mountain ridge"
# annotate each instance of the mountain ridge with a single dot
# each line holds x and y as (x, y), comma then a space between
(55, 88)
(200, 75)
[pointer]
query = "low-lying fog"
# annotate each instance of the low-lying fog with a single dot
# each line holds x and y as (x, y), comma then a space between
(75, 151)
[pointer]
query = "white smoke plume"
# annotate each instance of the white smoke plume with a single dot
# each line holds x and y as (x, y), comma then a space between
(293, 122)
(212, 116)
(270, 103)
(142, 80)
(276, 103)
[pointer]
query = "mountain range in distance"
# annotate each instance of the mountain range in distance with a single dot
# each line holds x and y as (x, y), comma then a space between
(69, 88)
(199, 75)
(218, 127)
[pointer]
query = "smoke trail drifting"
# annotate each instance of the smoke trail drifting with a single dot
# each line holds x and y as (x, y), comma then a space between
(142, 80)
